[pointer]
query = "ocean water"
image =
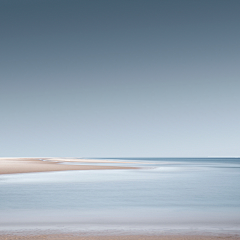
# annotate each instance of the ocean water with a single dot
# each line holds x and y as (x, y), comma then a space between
(164, 195)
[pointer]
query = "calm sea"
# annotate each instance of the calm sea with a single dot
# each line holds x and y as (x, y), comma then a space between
(164, 195)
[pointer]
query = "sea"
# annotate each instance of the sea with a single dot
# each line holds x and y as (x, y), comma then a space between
(164, 195)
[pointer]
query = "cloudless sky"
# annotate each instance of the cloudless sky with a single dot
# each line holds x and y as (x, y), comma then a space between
(119, 78)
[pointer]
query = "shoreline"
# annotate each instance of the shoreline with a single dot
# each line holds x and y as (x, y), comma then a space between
(74, 236)
(30, 165)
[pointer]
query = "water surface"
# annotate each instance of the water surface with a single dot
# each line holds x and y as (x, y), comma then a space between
(164, 195)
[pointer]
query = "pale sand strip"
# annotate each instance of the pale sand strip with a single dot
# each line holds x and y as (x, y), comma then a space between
(88, 160)
(123, 237)
(27, 165)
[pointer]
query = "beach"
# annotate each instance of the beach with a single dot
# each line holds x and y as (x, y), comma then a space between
(114, 237)
(28, 165)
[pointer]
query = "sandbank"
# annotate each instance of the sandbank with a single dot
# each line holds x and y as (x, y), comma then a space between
(27, 165)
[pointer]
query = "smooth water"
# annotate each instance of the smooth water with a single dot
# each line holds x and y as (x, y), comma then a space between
(165, 194)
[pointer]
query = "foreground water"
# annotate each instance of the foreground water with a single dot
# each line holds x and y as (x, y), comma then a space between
(164, 195)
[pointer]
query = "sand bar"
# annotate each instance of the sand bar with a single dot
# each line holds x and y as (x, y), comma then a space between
(121, 237)
(27, 165)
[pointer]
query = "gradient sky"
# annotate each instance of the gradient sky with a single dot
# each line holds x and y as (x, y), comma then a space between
(119, 78)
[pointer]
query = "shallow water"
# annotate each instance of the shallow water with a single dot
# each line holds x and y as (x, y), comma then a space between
(165, 194)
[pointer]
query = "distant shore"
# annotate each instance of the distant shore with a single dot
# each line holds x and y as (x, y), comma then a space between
(119, 237)
(28, 165)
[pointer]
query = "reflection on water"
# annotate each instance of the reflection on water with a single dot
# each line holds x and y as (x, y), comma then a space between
(165, 193)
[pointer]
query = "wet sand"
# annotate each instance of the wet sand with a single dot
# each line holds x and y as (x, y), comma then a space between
(109, 237)
(27, 165)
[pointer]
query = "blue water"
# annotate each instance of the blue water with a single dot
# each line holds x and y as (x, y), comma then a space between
(163, 195)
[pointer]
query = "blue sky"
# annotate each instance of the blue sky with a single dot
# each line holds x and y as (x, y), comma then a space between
(129, 78)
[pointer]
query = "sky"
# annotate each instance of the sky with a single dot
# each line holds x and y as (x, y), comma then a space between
(119, 78)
